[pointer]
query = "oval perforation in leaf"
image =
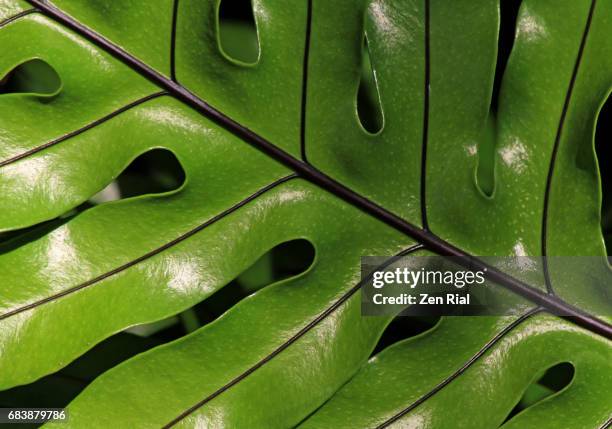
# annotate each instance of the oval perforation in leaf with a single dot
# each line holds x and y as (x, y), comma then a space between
(237, 33)
(369, 108)
(36, 77)
(154, 172)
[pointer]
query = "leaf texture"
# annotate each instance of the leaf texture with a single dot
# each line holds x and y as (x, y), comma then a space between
(274, 152)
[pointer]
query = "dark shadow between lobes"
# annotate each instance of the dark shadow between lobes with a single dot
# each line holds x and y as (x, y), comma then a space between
(402, 328)
(285, 260)
(508, 12)
(153, 172)
(552, 381)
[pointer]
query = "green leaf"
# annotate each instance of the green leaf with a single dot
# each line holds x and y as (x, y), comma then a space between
(281, 149)
(395, 386)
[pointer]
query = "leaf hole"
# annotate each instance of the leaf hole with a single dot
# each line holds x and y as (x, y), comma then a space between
(369, 108)
(551, 381)
(508, 11)
(485, 174)
(402, 328)
(60, 388)
(285, 260)
(32, 77)
(603, 149)
(154, 172)
(238, 31)
(12, 240)
(57, 390)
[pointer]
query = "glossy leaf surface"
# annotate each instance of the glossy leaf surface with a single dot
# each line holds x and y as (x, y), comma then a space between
(113, 82)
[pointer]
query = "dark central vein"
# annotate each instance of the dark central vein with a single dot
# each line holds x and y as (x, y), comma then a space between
(308, 172)
(553, 158)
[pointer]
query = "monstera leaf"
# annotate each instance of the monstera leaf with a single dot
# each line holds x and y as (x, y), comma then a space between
(284, 147)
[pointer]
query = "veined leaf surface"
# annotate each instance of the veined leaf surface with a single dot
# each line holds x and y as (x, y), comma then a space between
(278, 150)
